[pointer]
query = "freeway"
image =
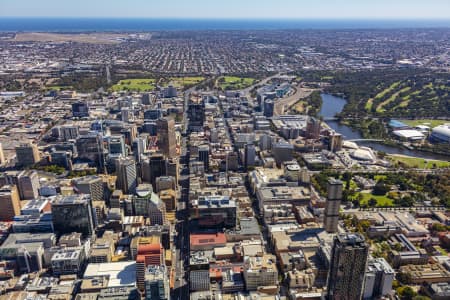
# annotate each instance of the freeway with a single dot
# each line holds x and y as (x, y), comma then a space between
(282, 104)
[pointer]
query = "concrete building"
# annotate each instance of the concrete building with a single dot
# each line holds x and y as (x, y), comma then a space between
(126, 175)
(91, 185)
(214, 211)
(334, 197)
(2, 156)
(249, 155)
(27, 155)
(378, 279)
(68, 261)
(335, 141)
(80, 109)
(10, 202)
(282, 152)
(90, 150)
(260, 272)
(169, 197)
(73, 214)
(116, 145)
(28, 184)
(348, 265)
(166, 137)
(156, 283)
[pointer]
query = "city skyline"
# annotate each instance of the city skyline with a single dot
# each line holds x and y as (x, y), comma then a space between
(233, 9)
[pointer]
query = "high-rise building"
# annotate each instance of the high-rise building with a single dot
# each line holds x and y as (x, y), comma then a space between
(334, 197)
(313, 128)
(10, 202)
(232, 162)
(379, 278)
(90, 149)
(156, 283)
(147, 255)
(126, 114)
(68, 132)
(154, 167)
(249, 155)
(2, 156)
(80, 109)
(139, 147)
(269, 106)
(170, 92)
(152, 114)
(203, 155)
(28, 185)
(169, 197)
(73, 214)
(335, 142)
(27, 155)
(116, 145)
(91, 185)
(347, 267)
(126, 175)
(196, 114)
(61, 158)
(166, 137)
(282, 152)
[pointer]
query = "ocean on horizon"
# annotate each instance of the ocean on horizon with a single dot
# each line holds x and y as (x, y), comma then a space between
(138, 24)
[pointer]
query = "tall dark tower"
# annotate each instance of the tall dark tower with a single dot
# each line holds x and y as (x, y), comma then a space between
(347, 267)
(166, 137)
(334, 198)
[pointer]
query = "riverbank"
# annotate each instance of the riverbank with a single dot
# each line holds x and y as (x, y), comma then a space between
(333, 105)
(417, 162)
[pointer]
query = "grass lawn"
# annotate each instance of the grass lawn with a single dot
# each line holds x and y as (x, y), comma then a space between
(416, 162)
(235, 83)
(179, 82)
(381, 200)
(380, 107)
(137, 85)
(428, 122)
(440, 249)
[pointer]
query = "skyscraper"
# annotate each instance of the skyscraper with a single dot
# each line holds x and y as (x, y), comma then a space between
(156, 283)
(28, 185)
(203, 155)
(334, 197)
(27, 154)
(73, 214)
(91, 185)
(90, 149)
(10, 202)
(166, 137)
(116, 145)
(126, 175)
(80, 109)
(249, 155)
(347, 267)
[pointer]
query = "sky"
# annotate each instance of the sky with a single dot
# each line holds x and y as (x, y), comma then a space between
(224, 9)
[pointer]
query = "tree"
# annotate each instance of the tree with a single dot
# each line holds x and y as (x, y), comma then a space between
(381, 188)
(372, 202)
(406, 293)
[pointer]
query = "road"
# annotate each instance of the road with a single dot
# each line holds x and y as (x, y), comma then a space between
(282, 104)
(247, 90)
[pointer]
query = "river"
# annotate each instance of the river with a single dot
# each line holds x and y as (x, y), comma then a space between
(332, 105)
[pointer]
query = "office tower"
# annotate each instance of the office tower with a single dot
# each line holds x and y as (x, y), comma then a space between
(169, 197)
(166, 137)
(232, 162)
(379, 278)
(2, 156)
(152, 114)
(91, 185)
(73, 214)
(265, 142)
(27, 155)
(334, 197)
(196, 114)
(312, 128)
(148, 254)
(126, 175)
(214, 211)
(139, 147)
(10, 202)
(146, 99)
(269, 107)
(80, 109)
(170, 92)
(147, 203)
(90, 149)
(155, 167)
(282, 152)
(61, 158)
(126, 115)
(165, 183)
(28, 185)
(156, 283)
(68, 132)
(249, 155)
(203, 155)
(116, 145)
(335, 142)
(173, 168)
(150, 128)
(347, 267)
